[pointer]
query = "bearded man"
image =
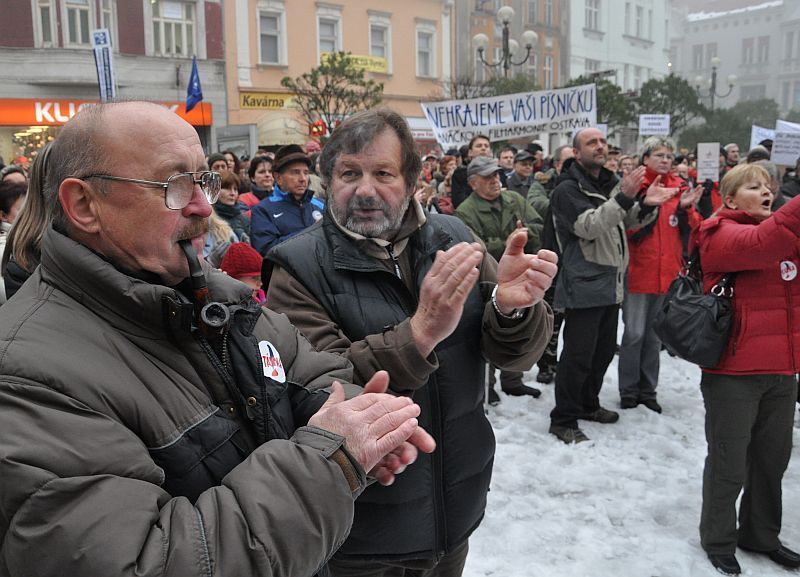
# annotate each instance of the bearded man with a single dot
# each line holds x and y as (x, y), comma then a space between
(388, 285)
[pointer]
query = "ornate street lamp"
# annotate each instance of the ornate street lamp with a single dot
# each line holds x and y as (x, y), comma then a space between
(712, 89)
(510, 46)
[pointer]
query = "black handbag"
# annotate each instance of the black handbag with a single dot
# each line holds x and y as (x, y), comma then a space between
(692, 325)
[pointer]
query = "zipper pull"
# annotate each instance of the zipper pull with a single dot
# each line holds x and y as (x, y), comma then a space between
(393, 256)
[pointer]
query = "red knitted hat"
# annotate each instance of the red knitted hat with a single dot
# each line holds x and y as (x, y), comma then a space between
(240, 260)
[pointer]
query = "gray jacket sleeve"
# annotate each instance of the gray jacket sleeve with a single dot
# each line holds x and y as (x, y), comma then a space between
(81, 496)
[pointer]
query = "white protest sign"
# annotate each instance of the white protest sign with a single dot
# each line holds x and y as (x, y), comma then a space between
(455, 122)
(759, 133)
(785, 148)
(654, 124)
(786, 126)
(101, 41)
(708, 161)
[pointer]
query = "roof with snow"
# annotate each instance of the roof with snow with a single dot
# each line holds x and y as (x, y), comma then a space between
(699, 16)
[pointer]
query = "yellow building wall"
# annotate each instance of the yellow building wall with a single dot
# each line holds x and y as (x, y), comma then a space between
(277, 121)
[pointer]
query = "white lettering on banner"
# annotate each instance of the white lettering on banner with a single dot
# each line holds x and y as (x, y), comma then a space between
(455, 122)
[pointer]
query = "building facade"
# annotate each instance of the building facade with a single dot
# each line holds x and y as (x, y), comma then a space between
(628, 41)
(405, 45)
(544, 66)
(47, 66)
(758, 42)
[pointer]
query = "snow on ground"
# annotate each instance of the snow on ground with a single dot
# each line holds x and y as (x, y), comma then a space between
(625, 504)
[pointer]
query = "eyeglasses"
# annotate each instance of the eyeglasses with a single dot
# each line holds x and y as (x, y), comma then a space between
(179, 188)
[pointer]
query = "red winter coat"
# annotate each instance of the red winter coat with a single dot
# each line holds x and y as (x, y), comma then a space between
(657, 258)
(765, 338)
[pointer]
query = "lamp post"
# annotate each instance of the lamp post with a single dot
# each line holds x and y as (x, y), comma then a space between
(712, 89)
(510, 46)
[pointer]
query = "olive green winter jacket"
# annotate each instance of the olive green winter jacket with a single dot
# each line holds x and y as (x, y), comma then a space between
(492, 223)
(107, 399)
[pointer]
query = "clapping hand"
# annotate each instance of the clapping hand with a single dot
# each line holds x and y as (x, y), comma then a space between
(380, 430)
(657, 195)
(690, 196)
(522, 279)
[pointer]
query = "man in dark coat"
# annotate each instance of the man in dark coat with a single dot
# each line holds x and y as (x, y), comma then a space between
(387, 284)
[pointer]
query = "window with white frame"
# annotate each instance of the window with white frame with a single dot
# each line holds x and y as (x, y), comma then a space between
(45, 23)
(650, 24)
(639, 28)
(627, 17)
(548, 71)
(380, 37)
(79, 23)
(174, 26)
(378, 40)
(711, 53)
(270, 35)
(533, 68)
(592, 14)
(533, 11)
(548, 12)
(763, 49)
(637, 77)
(591, 65)
(108, 19)
(271, 32)
(788, 47)
(426, 49)
(328, 35)
(697, 57)
(748, 50)
(329, 28)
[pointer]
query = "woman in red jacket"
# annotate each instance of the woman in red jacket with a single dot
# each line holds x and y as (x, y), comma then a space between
(749, 396)
(656, 256)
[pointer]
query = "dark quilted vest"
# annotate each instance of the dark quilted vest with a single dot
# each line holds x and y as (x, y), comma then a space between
(437, 502)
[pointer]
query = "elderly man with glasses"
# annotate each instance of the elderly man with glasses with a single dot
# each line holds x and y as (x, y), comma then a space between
(156, 421)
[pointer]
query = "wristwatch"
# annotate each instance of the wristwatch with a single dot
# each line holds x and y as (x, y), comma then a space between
(516, 314)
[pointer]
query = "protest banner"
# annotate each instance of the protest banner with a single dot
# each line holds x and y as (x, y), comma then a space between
(103, 59)
(759, 133)
(526, 114)
(785, 147)
(708, 161)
(786, 126)
(654, 124)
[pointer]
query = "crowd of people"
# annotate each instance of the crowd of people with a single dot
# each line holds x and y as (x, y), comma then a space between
(225, 438)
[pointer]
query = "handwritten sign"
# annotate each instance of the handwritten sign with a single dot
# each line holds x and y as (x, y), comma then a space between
(455, 122)
(786, 147)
